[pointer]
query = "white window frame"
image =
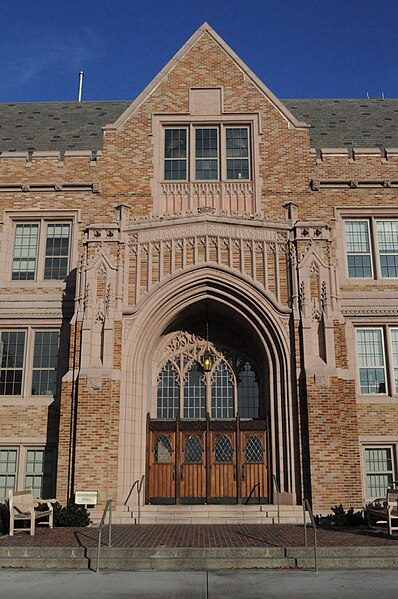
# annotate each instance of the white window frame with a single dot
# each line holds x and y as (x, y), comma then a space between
(27, 370)
(191, 157)
(14, 473)
(40, 257)
(15, 217)
(375, 446)
(374, 252)
(21, 473)
(389, 365)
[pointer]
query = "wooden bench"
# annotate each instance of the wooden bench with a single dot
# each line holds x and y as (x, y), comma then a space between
(385, 509)
(23, 507)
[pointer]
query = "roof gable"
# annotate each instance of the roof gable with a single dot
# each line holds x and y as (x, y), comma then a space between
(205, 29)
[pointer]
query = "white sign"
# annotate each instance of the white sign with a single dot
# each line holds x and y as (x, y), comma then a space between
(86, 497)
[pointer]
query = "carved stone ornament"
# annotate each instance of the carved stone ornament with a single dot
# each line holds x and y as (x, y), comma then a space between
(322, 382)
(94, 383)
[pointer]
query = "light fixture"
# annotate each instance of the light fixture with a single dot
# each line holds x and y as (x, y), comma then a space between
(207, 358)
(207, 361)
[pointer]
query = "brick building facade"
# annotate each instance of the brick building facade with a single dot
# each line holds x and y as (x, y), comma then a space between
(200, 286)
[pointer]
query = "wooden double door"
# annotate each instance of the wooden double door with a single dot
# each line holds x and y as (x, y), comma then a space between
(206, 461)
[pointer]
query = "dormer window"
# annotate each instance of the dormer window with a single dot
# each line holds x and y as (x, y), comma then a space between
(200, 153)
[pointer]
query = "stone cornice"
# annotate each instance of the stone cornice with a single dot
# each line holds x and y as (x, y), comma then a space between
(50, 187)
(316, 185)
(378, 312)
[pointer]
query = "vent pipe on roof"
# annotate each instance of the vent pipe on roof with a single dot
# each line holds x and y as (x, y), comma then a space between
(80, 88)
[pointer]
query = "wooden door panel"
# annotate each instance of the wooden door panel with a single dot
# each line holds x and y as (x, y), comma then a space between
(254, 464)
(161, 471)
(223, 485)
(192, 475)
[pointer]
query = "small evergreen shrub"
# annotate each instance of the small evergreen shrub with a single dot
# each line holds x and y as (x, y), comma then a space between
(4, 519)
(70, 515)
(340, 517)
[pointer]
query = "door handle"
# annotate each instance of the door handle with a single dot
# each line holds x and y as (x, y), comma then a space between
(243, 472)
(182, 472)
(234, 472)
(173, 475)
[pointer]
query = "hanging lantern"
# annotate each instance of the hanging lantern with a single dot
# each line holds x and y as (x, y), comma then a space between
(207, 361)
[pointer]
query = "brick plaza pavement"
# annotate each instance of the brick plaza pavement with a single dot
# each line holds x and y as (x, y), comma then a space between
(202, 536)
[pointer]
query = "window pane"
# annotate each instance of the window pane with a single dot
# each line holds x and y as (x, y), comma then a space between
(387, 235)
(57, 251)
(193, 450)
(206, 154)
(194, 393)
(248, 397)
(254, 453)
(163, 451)
(394, 342)
(175, 154)
(237, 148)
(45, 354)
(25, 251)
(12, 349)
(358, 249)
(223, 451)
(168, 393)
(222, 394)
(379, 470)
(371, 361)
(39, 472)
(8, 471)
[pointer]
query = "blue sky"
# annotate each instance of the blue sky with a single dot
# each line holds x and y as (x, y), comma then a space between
(300, 49)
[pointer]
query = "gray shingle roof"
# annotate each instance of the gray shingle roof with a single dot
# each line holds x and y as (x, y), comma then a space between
(55, 125)
(77, 126)
(349, 123)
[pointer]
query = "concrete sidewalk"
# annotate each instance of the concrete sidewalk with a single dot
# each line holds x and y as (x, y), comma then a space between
(242, 584)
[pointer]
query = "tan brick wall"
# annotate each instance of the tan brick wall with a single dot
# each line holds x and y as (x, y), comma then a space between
(125, 172)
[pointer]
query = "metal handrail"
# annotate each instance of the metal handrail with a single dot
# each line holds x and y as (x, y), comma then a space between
(307, 507)
(257, 485)
(277, 489)
(101, 525)
(137, 483)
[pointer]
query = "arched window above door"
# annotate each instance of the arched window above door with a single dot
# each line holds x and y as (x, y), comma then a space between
(184, 387)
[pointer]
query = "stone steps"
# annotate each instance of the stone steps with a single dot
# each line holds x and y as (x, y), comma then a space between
(208, 514)
(197, 559)
(43, 558)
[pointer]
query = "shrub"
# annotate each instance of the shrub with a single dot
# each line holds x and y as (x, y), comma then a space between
(70, 515)
(4, 519)
(341, 518)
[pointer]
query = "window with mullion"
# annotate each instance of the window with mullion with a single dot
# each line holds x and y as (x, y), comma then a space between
(358, 249)
(387, 237)
(25, 252)
(206, 154)
(194, 393)
(379, 471)
(168, 393)
(45, 354)
(38, 475)
(222, 394)
(12, 351)
(175, 154)
(57, 251)
(394, 344)
(237, 152)
(372, 376)
(8, 471)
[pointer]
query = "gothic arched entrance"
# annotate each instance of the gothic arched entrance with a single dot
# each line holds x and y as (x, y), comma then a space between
(207, 436)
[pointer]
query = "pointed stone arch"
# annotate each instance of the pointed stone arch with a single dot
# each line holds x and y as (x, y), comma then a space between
(144, 327)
